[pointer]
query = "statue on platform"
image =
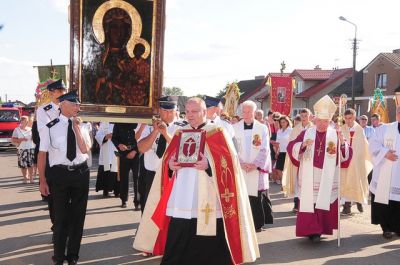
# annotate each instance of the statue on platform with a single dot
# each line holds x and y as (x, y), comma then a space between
(379, 105)
(232, 97)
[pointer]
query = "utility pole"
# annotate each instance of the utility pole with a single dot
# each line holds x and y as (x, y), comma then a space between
(354, 61)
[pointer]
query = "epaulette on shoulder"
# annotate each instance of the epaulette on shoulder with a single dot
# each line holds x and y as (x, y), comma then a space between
(52, 123)
(48, 107)
(181, 123)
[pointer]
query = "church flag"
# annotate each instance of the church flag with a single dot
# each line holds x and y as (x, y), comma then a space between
(46, 72)
(281, 94)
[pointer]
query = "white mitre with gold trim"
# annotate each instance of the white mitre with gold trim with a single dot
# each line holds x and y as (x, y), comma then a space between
(325, 108)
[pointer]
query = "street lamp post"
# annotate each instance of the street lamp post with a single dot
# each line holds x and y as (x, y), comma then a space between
(354, 60)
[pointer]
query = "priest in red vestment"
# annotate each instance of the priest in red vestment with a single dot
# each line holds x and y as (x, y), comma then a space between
(200, 214)
(316, 152)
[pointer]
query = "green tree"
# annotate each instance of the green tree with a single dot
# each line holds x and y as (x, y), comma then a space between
(199, 95)
(222, 92)
(173, 91)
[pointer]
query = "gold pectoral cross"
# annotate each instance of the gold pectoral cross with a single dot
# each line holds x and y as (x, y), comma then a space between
(207, 212)
(227, 195)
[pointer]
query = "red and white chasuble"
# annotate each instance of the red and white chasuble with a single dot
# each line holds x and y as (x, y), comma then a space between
(224, 195)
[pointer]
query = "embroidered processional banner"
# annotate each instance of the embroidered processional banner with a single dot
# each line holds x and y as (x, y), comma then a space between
(281, 94)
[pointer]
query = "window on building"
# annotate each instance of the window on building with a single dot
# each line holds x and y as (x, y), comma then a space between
(299, 86)
(381, 81)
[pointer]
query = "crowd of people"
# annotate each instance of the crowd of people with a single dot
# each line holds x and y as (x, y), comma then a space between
(194, 213)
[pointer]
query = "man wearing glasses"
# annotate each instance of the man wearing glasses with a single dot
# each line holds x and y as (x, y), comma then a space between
(368, 130)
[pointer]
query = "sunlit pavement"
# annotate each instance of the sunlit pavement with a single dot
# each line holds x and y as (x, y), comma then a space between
(25, 236)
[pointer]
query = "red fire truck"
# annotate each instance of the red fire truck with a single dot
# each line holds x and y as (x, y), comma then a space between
(9, 120)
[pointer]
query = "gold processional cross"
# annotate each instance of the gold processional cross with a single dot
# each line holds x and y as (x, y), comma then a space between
(227, 195)
(207, 212)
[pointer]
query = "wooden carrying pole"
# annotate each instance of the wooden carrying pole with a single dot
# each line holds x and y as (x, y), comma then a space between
(342, 104)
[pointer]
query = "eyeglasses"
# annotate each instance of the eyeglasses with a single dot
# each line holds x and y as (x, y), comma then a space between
(363, 119)
(276, 119)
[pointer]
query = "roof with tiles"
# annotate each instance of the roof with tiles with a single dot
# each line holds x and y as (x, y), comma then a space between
(279, 74)
(345, 87)
(393, 57)
(252, 88)
(249, 87)
(315, 74)
(334, 76)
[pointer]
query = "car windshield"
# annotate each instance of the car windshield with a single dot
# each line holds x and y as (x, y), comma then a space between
(9, 115)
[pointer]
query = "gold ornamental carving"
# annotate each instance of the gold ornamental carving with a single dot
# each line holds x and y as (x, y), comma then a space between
(98, 30)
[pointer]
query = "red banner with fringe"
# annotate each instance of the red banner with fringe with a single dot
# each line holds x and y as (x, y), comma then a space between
(281, 94)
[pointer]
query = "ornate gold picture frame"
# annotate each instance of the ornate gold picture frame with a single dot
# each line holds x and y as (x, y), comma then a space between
(117, 58)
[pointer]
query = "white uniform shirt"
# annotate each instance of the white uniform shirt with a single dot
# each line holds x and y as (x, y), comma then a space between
(55, 143)
(27, 133)
(226, 125)
(151, 160)
(44, 115)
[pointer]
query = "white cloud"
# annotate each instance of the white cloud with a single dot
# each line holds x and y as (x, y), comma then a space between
(18, 80)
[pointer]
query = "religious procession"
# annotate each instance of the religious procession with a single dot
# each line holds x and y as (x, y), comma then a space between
(113, 167)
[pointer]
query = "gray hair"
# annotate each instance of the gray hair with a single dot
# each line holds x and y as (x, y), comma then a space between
(250, 103)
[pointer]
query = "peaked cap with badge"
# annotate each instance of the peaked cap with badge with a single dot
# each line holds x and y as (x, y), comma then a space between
(211, 101)
(71, 96)
(57, 84)
(168, 102)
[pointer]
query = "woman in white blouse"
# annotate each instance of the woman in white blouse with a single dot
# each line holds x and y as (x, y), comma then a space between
(22, 138)
(282, 138)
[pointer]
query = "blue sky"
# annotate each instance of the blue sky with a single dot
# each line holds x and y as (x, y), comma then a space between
(210, 42)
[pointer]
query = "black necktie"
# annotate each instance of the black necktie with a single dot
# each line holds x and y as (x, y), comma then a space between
(398, 126)
(162, 143)
(71, 142)
(248, 126)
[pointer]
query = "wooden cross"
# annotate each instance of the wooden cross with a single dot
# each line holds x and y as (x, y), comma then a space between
(227, 195)
(207, 212)
(53, 72)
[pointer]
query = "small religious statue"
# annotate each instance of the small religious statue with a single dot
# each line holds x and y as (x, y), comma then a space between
(283, 67)
(232, 97)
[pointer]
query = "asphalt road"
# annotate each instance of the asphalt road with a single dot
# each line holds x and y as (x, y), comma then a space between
(109, 231)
